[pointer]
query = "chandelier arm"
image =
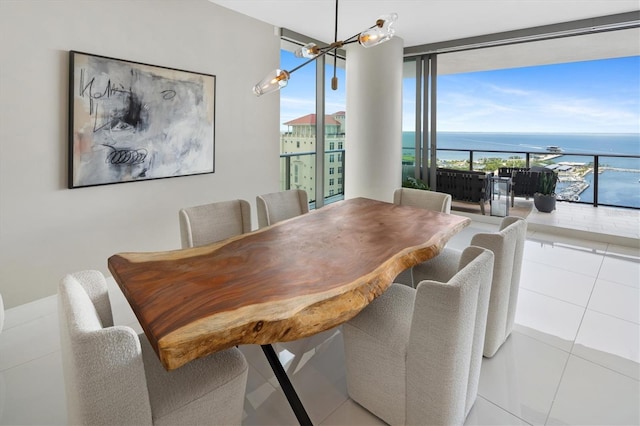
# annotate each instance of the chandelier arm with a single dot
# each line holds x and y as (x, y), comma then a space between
(355, 36)
(331, 46)
(312, 59)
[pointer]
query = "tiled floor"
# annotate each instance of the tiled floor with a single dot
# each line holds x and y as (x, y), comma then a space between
(573, 358)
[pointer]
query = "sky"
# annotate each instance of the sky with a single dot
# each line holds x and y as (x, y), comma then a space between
(600, 96)
(298, 98)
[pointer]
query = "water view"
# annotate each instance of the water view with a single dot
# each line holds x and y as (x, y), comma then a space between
(572, 154)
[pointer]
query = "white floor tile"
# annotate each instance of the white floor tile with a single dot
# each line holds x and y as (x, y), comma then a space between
(257, 393)
(33, 393)
(548, 319)
(322, 380)
(255, 357)
(593, 395)
(29, 341)
(486, 413)
(463, 238)
(315, 367)
(522, 377)
(556, 282)
(274, 410)
(351, 413)
(610, 342)
(571, 257)
(621, 268)
(617, 300)
(30, 311)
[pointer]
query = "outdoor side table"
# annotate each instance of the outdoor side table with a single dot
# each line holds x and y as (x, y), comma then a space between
(499, 199)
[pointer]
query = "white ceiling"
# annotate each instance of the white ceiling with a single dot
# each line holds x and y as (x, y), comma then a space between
(423, 21)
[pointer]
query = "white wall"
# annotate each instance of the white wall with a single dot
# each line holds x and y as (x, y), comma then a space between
(47, 230)
(373, 158)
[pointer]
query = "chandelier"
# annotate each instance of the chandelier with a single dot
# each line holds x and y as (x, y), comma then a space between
(383, 30)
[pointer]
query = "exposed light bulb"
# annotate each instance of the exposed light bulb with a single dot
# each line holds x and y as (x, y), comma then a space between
(274, 81)
(383, 31)
(309, 50)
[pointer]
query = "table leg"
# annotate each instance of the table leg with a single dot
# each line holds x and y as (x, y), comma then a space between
(287, 387)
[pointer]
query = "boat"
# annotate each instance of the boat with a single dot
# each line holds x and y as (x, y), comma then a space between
(552, 148)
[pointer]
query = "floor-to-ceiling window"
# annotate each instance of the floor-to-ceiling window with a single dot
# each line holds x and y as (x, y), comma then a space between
(410, 150)
(301, 112)
(297, 124)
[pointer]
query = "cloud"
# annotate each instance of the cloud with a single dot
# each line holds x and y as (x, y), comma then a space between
(492, 107)
(510, 90)
(288, 102)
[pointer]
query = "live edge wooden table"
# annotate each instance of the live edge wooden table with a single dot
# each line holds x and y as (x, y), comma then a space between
(283, 282)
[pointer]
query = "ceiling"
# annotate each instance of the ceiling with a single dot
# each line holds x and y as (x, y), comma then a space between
(423, 21)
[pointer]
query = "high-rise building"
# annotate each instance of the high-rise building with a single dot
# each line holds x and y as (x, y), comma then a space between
(300, 139)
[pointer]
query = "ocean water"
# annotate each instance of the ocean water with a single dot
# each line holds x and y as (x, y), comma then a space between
(571, 143)
(616, 187)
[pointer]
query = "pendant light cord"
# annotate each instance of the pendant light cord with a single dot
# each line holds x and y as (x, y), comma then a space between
(335, 53)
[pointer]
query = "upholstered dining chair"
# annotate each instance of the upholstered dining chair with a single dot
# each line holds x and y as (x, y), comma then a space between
(208, 223)
(113, 376)
(508, 247)
(413, 356)
(430, 200)
(424, 199)
(279, 206)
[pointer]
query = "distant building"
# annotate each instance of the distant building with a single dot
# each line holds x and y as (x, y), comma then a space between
(300, 137)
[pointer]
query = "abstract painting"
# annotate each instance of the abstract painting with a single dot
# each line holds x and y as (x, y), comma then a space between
(130, 121)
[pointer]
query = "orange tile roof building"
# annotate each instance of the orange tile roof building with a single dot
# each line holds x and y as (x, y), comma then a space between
(300, 138)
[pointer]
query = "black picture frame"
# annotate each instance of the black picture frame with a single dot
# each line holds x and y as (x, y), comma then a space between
(130, 121)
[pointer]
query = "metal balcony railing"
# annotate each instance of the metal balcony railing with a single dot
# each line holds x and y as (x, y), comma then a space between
(578, 182)
(292, 179)
(582, 176)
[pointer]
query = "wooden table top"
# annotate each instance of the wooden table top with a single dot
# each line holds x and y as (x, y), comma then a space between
(284, 282)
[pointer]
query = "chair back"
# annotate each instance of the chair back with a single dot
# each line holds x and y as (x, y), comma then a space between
(509, 171)
(525, 183)
(444, 353)
(430, 200)
(279, 206)
(463, 185)
(102, 364)
(209, 223)
(508, 247)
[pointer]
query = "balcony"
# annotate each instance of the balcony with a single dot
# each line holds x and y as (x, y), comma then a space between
(577, 180)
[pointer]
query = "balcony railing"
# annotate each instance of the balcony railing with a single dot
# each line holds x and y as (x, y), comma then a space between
(306, 161)
(577, 180)
(615, 182)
